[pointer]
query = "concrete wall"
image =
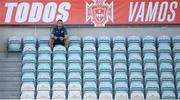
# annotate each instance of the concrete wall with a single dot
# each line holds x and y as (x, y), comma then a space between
(7, 31)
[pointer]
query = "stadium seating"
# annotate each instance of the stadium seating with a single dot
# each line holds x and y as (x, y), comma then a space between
(104, 68)
(14, 44)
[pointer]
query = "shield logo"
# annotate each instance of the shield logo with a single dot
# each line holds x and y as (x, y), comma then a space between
(99, 12)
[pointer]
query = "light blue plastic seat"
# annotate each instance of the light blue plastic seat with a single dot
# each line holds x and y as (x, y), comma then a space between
(105, 86)
(177, 67)
(119, 58)
(59, 77)
(74, 50)
(29, 59)
(104, 50)
(28, 77)
(29, 67)
(165, 57)
(164, 39)
(135, 67)
(149, 40)
(105, 76)
(59, 67)
(14, 44)
(43, 41)
(74, 41)
(134, 49)
(167, 86)
(120, 77)
(168, 95)
(135, 76)
(44, 58)
(89, 77)
(151, 76)
(104, 40)
(134, 58)
(90, 86)
(89, 50)
(178, 86)
(150, 67)
(134, 40)
(104, 59)
(89, 40)
(74, 77)
(121, 86)
(105, 67)
(119, 40)
(149, 58)
(89, 67)
(120, 67)
(58, 58)
(74, 64)
(89, 58)
(44, 67)
(165, 67)
(152, 86)
(43, 77)
(29, 41)
(44, 50)
(136, 86)
(29, 50)
(59, 49)
(166, 76)
(177, 74)
(119, 49)
(149, 49)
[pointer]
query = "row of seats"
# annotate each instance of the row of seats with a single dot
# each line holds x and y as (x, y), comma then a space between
(106, 71)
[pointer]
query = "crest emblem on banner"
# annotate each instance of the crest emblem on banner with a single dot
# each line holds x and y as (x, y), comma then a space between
(99, 12)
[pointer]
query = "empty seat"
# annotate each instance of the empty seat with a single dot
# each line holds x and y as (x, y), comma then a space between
(121, 95)
(119, 58)
(166, 76)
(29, 40)
(105, 76)
(43, 40)
(29, 67)
(90, 95)
(136, 86)
(28, 77)
(167, 86)
(168, 95)
(43, 86)
(119, 40)
(29, 50)
(43, 58)
(14, 44)
(105, 86)
(151, 76)
(43, 77)
(120, 67)
(105, 95)
(88, 49)
(135, 67)
(105, 67)
(121, 86)
(120, 76)
(58, 95)
(89, 76)
(149, 40)
(29, 59)
(74, 95)
(137, 95)
(74, 41)
(44, 50)
(44, 67)
(104, 40)
(135, 76)
(150, 67)
(152, 95)
(43, 95)
(75, 50)
(152, 86)
(27, 95)
(89, 40)
(90, 86)
(28, 86)
(58, 49)
(134, 40)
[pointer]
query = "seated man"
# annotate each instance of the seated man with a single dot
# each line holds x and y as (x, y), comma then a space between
(58, 35)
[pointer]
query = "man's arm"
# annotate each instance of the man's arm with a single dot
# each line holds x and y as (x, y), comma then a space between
(66, 38)
(52, 33)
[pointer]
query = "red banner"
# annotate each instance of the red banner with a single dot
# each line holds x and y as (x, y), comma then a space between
(96, 12)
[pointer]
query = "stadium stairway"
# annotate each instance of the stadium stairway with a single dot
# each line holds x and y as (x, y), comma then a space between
(10, 75)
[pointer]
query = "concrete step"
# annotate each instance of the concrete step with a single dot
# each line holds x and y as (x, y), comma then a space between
(10, 79)
(10, 86)
(10, 94)
(10, 74)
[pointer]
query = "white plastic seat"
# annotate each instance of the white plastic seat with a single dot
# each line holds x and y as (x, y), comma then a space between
(14, 43)
(43, 95)
(152, 95)
(59, 86)
(28, 86)
(58, 95)
(74, 95)
(105, 95)
(27, 95)
(43, 86)
(121, 95)
(137, 95)
(90, 95)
